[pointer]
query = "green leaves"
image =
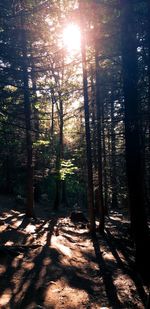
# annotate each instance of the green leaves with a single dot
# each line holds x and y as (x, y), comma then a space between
(41, 143)
(67, 169)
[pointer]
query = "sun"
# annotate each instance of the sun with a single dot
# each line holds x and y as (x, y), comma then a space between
(72, 38)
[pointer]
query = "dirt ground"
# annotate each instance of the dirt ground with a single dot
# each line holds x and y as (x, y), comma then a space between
(53, 263)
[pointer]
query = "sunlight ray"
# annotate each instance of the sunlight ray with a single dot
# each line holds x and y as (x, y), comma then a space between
(71, 38)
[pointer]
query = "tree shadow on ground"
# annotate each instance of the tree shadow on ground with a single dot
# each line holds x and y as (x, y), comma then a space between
(26, 277)
(41, 270)
(110, 288)
(29, 277)
(128, 267)
(26, 268)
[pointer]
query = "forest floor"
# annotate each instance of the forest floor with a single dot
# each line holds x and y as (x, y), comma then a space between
(53, 263)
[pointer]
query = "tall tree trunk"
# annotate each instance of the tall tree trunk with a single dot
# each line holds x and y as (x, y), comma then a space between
(52, 128)
(93, 110)
(34, 100)
(61, 196)
(87, 132)
(148, 36)
(132, 138)
(99, 145)
(105, 166)
(113, 156)
(27, 110)
(53, 102)
(7, 167)
(63, 181)
(58, 160)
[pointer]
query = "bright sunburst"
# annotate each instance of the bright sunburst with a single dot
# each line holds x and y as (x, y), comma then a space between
(71, 38)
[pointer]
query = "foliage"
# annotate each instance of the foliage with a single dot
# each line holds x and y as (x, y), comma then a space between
(67, 169)
(56, 96)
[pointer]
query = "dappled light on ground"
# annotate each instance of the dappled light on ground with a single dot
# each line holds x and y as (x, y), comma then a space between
(5, 297)
(61, 248)
(60, 294)
(54, 264)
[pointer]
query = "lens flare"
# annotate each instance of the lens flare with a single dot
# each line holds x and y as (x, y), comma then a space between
(71, 38)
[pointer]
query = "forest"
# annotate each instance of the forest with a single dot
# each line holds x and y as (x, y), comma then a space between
(74, 154)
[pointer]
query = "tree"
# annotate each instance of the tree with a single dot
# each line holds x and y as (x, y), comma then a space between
(132, 135)
(99, 145)
(87, 127)
(27, 110)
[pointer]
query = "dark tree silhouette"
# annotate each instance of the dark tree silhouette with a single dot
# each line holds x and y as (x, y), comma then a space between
(132, 137)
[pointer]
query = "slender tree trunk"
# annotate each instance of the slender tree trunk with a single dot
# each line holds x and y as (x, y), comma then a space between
(7, 167)
(52, 122)
(88, 135)
(58, 176)
(63, 191)
(52, 128)
(64, 200)
(93, 119)
(34, 100)
(61, 196)
(148, 35)
(27, 110)
(99, 146)
(132, 138)
(105, 167)
(113, 156)
(57, 194)
(109, 160)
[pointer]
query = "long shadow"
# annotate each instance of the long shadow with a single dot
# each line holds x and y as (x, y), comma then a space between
(113, 247)
(24, 223)
(35, 278)
(38, 273)
(120, 244)
(30, 284)
(7, 262)
(48, 268)
(107, 277)
(76, 279)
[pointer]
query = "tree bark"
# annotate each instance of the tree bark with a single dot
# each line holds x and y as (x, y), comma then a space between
(132, 138)
(114, 203)
(99, 144)
(93, 110)
(34, 100)
(148, 36)
(105, 167)
(88, 134)
(27, 110)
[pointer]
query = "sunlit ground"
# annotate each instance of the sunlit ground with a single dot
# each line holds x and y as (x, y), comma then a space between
(68, 271)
